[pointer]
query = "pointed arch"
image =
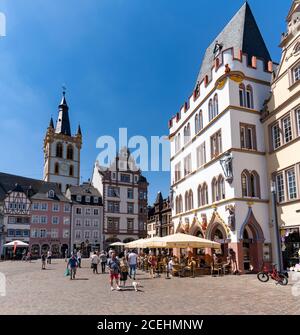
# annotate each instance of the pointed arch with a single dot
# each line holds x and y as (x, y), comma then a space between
(191, 200)
(216, 106)
(216, 222)
(254, 226)
(196, 124)
(210, 110)
(199, 195)
(204, 194)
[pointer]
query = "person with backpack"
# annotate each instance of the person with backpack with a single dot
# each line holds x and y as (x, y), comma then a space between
(114, 271)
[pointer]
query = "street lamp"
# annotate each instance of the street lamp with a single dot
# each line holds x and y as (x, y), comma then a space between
(276, 226)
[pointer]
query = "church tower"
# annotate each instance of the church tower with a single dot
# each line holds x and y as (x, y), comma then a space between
(62, 150)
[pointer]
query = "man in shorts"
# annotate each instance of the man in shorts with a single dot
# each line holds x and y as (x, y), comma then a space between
(114, 271)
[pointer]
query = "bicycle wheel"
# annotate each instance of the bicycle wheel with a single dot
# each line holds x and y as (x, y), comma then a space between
(263, 277)
(282, 280)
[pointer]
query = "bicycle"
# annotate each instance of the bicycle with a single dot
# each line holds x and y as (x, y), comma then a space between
(266, 274)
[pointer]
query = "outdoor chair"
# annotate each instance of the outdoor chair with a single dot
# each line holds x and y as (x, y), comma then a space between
(216, 268)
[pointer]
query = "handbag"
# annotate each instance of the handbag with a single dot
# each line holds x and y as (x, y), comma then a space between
(67, 272)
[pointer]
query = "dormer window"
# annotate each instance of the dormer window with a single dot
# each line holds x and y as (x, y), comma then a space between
(218, 48)
(51, 194)
(96, 200)
(87, 198)
(78, 198)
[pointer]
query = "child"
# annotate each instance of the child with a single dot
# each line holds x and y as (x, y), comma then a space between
(124, 271)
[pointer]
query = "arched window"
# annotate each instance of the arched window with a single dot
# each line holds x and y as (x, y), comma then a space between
(199, 196)
(191, 200)
(56, 168)
(245, 183)
(176, 205)
(59, 150)
(196, 124)
(204, 195)
(242, 95)
(249, 97)
(186, 201)
(188, 132)
(210, 110)
(214, 190)
(71, 171)
(200, 120)
(180, 204)
(185, 135)
(216, 106)
(254, 185)
(221, 188)
(70, 152)
(297, 47)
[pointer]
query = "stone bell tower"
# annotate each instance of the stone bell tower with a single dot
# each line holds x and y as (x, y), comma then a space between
(62, 150)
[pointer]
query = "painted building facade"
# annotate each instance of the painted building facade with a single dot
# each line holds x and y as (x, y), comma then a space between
(160, 217)
(62, 150)
(36, 212)
(125, 193)
(281, 120)
(50, 221)
(87, 218)
(218, 164)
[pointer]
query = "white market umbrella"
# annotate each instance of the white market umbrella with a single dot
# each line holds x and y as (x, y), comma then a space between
(154, 242)
(180, 240)
(117, 244)
(135, 244)
(17, 243)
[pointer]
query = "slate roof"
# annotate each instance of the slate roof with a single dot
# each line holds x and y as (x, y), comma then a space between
(63, 121)
(34, 188)
(241, 33)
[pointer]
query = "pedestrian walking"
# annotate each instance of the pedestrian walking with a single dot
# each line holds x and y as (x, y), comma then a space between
(124, 270)
(132, 261)
(66, 255)
(110, 251)
(79, 258)
(49, 256)
(152, 261)
(72, 264)
(103, 260)
(114, 271)
(94, 262)
(43, 258)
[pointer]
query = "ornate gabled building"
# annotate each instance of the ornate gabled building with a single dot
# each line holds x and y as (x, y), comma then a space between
(125, 192)
(62, 150)
(36, 212)
(281, 122)
(160, 217)
(218, 164)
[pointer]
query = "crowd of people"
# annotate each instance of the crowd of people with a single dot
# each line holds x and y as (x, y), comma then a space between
(124, 265)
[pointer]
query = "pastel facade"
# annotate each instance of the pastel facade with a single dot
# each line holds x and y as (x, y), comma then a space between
(218, 164)
(87, 218)
(281, 121)
(50, 223)
(36, 212)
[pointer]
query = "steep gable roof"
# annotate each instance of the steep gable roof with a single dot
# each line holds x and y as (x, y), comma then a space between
(241, 33)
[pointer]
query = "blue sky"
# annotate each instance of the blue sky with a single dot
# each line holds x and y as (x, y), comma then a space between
(126, 63)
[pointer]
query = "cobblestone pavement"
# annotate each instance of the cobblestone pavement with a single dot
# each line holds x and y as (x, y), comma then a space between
(31, 290)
